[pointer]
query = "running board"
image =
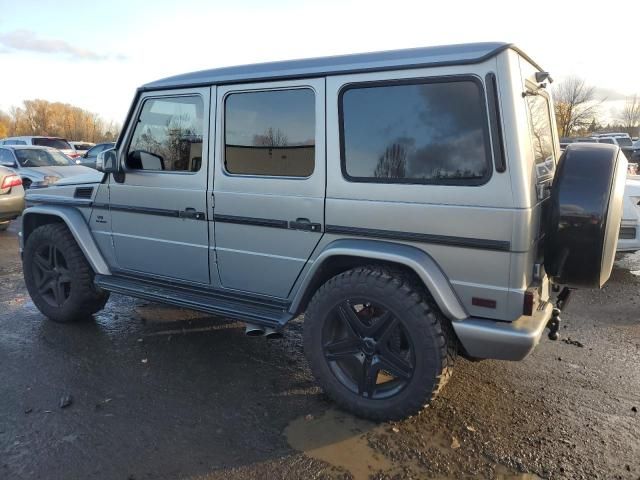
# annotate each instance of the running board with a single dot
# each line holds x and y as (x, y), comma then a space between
(244, 308)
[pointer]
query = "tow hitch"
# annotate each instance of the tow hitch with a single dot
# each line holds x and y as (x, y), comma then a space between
(554, 322)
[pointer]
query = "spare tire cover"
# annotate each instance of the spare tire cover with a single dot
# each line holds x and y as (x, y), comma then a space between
(585, 213)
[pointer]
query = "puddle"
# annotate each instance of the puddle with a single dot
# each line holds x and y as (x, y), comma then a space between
(338, 439)
(166, 314)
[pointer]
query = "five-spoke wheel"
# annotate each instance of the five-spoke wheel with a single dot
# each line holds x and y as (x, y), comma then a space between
(368, 349)
(52, 276)
(58, 276)
(376, 345)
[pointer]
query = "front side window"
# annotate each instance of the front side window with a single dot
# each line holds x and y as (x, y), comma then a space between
(5, 157)
(168, 135)
(415, 132)
(270, 133)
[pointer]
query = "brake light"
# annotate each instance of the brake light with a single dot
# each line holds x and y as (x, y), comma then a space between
(11, 181)
(73, 155)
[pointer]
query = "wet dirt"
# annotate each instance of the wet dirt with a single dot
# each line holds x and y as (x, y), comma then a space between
(211, 403)
(339, 439)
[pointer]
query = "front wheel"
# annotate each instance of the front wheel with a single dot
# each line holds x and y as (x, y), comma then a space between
(376, 345)
(58, 276)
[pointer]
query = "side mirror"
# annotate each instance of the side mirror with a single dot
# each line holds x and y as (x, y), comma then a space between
(107, 161)
(8, 163)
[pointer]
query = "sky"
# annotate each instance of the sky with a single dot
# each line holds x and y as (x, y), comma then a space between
(95, 54)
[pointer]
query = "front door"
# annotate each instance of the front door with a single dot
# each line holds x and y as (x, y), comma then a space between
(269, 183)
(159, 209)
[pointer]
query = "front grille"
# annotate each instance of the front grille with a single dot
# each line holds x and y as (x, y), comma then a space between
(83, 192)
(627, 233)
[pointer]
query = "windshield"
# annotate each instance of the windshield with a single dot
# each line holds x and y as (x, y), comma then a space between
(59, 143)
(624, 141)
(41, 158)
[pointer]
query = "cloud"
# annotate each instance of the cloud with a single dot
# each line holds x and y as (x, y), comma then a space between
(28, 41)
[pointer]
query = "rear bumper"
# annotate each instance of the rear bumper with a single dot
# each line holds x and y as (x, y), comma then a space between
(629, 239)
(11, 206)
(484, 339)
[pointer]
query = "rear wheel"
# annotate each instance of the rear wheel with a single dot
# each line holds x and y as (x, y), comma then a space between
(58, 276)
(376, 345)
(4, 226)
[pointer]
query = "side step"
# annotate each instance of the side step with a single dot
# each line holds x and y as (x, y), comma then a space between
(252, 309)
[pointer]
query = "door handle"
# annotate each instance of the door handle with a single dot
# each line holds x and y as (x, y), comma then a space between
(304, 224)
(191, 213)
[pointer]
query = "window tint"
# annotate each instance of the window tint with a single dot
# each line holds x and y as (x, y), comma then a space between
(270, 133)
(168, 135)
(58, 143)
(415, 133)
(541, 134)
(606, 140)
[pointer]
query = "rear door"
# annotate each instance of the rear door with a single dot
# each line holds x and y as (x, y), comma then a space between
(159, 209)
(269, 183)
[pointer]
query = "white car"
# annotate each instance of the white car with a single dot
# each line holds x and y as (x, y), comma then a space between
(629, 239)
(40, 141)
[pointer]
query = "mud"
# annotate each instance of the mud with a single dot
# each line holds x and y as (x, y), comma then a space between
(163, 393)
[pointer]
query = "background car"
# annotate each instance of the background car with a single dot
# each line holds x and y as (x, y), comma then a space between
(39, 166)
(629, 238)
(82, 147)
(88, 159)
(53, 142)
(11, 196)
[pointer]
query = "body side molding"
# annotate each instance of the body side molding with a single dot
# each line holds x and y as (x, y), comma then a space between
(415, 259)
(78, 227)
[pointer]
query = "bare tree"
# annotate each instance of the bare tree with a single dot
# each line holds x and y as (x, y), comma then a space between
(576, 105)
(271, 138)
(630, 115)
(392, 163)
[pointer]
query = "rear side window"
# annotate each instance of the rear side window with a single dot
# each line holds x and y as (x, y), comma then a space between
(270, 133)
(58, 143)
(429, 131)
(168, 135)
(541, 134)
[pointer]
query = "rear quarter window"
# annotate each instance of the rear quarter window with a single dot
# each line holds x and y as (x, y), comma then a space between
(58, 143)
(429, 131)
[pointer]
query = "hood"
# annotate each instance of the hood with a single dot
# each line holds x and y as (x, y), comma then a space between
(59, 171)
(90, 176)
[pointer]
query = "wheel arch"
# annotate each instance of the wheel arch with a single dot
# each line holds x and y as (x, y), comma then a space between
(342, 255)
(34, 217)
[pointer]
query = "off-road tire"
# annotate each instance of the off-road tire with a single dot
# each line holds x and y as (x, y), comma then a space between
(430, 332)
(84, 298)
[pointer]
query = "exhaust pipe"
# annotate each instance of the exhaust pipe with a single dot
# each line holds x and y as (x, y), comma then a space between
(272, 334)
(253, 330)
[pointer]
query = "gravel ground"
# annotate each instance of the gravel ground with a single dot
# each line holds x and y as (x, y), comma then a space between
(150, 392)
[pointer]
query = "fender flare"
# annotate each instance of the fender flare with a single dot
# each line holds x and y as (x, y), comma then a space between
(417, 260)
(78, 227)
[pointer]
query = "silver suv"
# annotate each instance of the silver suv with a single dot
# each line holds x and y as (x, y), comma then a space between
(412, 204)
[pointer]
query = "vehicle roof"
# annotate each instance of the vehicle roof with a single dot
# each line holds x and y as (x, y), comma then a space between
(28, 147)
(336, 65)
(32, 136)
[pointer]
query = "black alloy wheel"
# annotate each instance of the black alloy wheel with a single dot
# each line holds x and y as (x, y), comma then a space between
(368, 349)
